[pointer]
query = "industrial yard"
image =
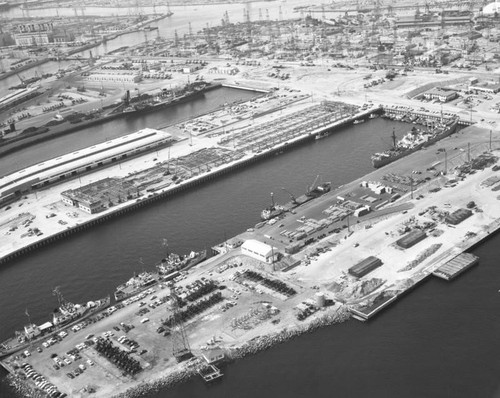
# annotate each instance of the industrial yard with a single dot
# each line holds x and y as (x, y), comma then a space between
(314, 267)
(327, 254)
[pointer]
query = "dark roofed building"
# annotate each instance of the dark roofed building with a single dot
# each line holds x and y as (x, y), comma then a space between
(411, 239)
(365, 266)
(458, 216)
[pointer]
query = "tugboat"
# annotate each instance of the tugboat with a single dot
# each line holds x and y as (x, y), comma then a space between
(272, 211)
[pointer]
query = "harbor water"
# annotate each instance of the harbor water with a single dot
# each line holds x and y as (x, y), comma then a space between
(92, 135)
(441, 340)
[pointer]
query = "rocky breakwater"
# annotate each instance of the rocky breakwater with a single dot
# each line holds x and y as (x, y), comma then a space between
(21, 388)
(260, 343)
(182, 372)
(178, 375)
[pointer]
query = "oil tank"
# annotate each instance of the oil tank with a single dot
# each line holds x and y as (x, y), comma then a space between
(320, 299)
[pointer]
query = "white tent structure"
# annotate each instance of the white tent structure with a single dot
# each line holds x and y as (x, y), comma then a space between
(492, 8)
(259, 250)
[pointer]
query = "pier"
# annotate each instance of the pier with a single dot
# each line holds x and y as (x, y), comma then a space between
(425, 115)
(210, 373)
(247, 88)
(259, 151)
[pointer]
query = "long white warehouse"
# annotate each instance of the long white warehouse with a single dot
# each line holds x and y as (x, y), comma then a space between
(81, 161)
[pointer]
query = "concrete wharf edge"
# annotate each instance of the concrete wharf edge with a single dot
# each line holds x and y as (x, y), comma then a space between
(193, 182)
(484, 235)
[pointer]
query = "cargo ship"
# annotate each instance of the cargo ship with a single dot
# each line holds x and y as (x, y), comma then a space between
(163, 100)
(272, 211)
(313, 191)
(66, 315)
(413, 141)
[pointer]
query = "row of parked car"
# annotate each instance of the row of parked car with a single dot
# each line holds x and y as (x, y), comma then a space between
(41, 382)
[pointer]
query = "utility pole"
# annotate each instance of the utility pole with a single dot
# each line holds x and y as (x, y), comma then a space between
(445, 162)
(490, 140)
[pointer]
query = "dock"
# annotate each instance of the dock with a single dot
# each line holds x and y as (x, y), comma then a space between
(210, 373)
(451, 269)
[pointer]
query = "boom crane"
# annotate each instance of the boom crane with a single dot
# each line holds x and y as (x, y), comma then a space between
(316, 190)
(292, 197)
(313, 185)
(20, 78)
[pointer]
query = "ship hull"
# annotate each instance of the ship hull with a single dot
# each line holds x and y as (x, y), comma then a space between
(120, 296)
(195, 261)
(316, 193)
(4, 352)
(377, 162)
(264, 216)
(166, 104)
(182, 265)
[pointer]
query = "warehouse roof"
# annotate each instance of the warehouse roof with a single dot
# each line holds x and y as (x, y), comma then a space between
(83, 157)
(258, 247)
(365, 266)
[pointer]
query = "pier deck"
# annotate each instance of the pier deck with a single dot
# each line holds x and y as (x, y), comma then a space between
(210, 373)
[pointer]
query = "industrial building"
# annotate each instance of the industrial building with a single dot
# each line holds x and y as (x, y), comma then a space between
(441, 94)
(99, 195)
(411, 239)
(39, 34)
(81, 161)
(121, 77)
(362, 211)
(485, 88)
(260, 250)
(365, 266)
(225, 70)
(458, 216)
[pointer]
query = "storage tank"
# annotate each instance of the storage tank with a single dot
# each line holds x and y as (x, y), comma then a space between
(320, 299)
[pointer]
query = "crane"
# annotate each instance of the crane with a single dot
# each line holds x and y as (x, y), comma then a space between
(313, 185)
(20, 78)
(316, 189)
(292, 197)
